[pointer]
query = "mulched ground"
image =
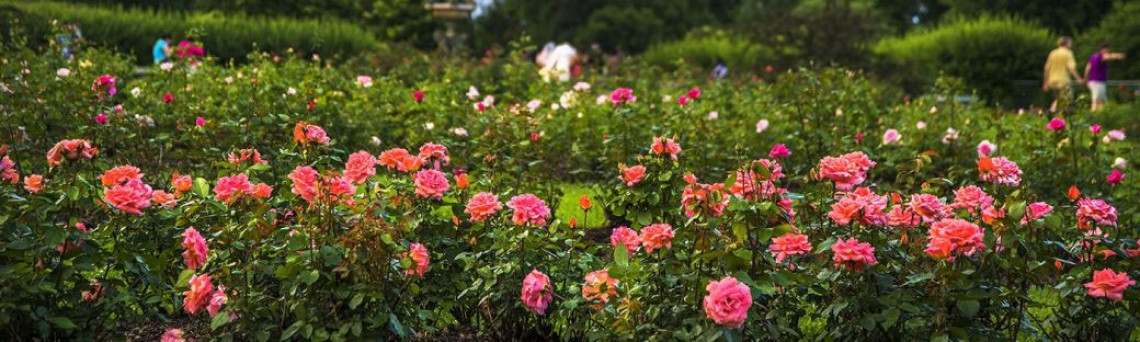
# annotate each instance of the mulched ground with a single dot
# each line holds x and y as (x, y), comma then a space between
(196, 329)
(452, 335)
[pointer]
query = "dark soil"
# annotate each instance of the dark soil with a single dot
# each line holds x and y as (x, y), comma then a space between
(196, 329)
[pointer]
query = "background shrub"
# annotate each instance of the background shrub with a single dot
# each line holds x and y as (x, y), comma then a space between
(229, 36)
(703, 47)
(987, 53)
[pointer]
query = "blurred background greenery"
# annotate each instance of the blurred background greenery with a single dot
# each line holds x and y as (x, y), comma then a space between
(990, 44)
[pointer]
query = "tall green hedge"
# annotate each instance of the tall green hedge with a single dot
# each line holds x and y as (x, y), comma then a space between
(134, 31)
(701, 48)
(988, 53)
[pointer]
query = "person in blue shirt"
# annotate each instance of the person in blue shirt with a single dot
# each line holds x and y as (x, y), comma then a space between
(162, 49)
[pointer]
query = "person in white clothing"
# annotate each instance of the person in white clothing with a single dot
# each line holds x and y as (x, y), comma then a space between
(556, 62)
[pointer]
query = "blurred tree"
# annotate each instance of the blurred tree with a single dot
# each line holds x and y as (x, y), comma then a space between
(615, 25)
(906, 15)
(1062, 16)
(822, 31)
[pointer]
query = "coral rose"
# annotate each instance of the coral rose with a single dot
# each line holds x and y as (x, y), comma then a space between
(232, 188)
(120, 175)
(847, 170)
(1109, 284)
(662, 146)
(34, 183)
(431, 151)
(304, 134)
(131, 197)
(789, 244)
(953, 237)
(420, 259)
(1035, 211)
(173, 335)
(181, 183)
(392, 158)
(599, 287)
(482, 205)
(306, 182)
(971, 198)
(656, 236)
(853, 255)
(199, 294)
(71, 149)
(164, 199)
(929, 207)
(632, 175)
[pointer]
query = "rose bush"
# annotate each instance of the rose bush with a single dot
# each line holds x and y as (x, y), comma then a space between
(287, 199)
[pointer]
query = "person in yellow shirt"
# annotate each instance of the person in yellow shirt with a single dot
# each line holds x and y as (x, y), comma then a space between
(1058, 68)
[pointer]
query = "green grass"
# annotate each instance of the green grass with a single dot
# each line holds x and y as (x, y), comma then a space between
(568, 206)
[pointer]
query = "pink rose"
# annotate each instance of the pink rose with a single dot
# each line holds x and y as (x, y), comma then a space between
(482, 205)
(420, 259)
(431, 183)
(528, 208)
(727, 302)
(196, 248)
(359, 167)
(626, 236)
(537, 292)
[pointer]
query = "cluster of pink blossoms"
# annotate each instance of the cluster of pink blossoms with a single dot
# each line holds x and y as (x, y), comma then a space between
(752, 185)
(861, 205)
(231, 189)
(665, 146)
(708, 199)
(847, 170)
(950, 238)
(999, 171)
(124, 190)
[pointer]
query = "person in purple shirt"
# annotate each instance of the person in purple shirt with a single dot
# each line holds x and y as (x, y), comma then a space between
(1096, 72)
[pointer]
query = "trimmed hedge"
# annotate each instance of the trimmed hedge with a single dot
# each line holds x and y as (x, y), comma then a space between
(703, 47)
(230, 36)
(988, 53)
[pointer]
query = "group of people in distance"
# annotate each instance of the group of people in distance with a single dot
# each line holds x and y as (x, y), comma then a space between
(1061, 70)
(187, 49)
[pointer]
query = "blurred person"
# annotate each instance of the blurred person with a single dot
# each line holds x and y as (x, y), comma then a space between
(1096, 72)
(720, 69)
(69, 40)
(1059, 66)
(557, 61)
(162, 50)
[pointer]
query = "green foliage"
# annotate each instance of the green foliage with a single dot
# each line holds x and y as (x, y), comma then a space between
(624, 25)
(988, 53)
(703, 48)
(338, 270)
(1061, 16)
(226, 36)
